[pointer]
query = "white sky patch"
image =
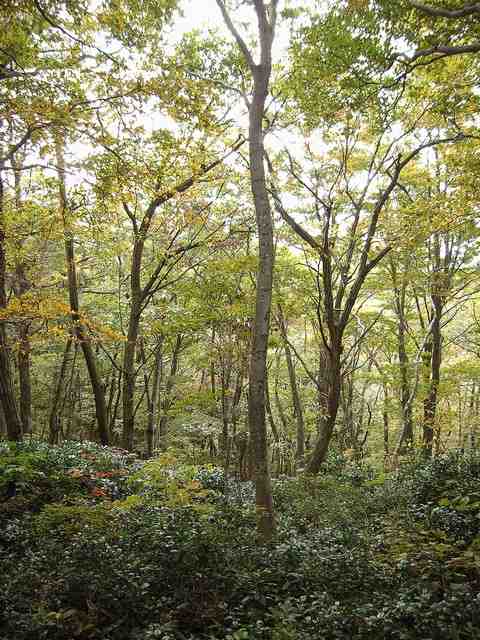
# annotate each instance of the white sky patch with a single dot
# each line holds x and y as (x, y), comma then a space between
(205, 15)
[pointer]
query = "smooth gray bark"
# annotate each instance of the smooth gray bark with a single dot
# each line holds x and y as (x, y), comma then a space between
(266, 17)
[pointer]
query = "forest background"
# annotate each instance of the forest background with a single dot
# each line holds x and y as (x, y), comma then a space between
(239, 323)
(131, 291)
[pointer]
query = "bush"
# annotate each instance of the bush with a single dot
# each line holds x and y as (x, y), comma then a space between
(176, 557)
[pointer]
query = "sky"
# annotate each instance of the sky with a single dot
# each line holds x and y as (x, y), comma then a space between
(205, 14)
(200, 14)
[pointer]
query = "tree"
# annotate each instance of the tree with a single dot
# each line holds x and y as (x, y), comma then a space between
(78, 329)
(266, 16)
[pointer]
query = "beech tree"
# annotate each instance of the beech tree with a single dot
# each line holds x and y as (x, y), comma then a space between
(266, 17)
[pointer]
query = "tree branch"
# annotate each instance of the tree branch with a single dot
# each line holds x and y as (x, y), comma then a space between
(233, 30)
(452, 14)
(184, 186)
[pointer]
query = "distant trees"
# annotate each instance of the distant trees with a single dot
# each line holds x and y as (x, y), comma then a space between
(161, 286)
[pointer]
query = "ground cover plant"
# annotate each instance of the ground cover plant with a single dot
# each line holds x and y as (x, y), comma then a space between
(169, 550)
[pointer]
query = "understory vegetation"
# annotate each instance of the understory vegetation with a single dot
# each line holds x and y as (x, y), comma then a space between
(239, 320)
(95, 543)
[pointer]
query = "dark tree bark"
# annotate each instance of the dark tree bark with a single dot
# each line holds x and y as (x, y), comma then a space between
(23, 363)
(21, 286)
(54, 421)
(155, 392)
(430, 402)
(399, 307)
(386, 423)
(168, 398)
(7, 390)
(327, 421)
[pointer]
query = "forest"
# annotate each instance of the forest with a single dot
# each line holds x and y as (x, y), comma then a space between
(239, 320)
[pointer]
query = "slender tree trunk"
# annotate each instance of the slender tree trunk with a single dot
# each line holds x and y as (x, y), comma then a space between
(168, 398)
(73, 414)
(213, 386)
(399, 305)
(225, 379)
(278, 402)
(113, 389)
(261, 328)
(79, 330)
(23, 362)
(3, 423)
(22, 285)
(430, 403)
(297, 403)
(406, 438)
(386, 423)
(7, 390)
(322, 387)
(268, 408)
(473, 414)
(152, 409)
(129, 370)
(54, 421)
(348, 433)
(114, 412)
(237, 395)
(266, 17)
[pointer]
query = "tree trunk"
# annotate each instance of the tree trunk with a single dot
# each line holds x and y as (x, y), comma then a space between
(278, 402)
(268, 408)
(114, 413)
(7, 390)
(23, 362)
(430, 402)
(237, 395)
(400, 290)
(3, 424)
(22, 285)
(406, 438)
(168, 399)
(153, 404)
(54, 413)
(322, 387)
(113, 389)
(225, 379)
(129, 372)
(297, 403)
(473, 416)
(386, 423)
(327, 422)
(79, 330)
(266, 16)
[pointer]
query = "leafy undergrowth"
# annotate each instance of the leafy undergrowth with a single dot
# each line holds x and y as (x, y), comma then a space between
(96, 544)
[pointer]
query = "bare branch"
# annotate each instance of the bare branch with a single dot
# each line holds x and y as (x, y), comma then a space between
(439, 12)
(444, 51)
(233, 30)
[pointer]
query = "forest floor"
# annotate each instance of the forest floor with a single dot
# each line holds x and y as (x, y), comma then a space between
(95, 543)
